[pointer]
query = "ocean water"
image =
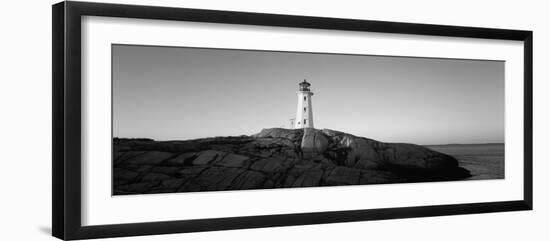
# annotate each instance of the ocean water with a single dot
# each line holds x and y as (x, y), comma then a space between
(484, 161)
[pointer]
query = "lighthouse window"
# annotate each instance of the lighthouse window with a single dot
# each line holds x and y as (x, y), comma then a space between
(304, 98)
(305, 109)
(304, 121)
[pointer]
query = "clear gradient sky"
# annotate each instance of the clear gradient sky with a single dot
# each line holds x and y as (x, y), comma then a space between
(174, 93)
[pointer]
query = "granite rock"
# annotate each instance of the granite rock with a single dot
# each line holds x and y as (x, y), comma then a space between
(273, 158)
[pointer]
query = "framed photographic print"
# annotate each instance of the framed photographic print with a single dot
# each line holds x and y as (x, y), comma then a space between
(170, 120)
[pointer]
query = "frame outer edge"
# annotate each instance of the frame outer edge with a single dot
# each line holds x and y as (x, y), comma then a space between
(66, 120)
(528, 120)
(73, 120)
(58, 79)
(294, 21)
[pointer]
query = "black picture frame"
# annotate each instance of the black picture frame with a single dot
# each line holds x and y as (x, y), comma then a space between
(66, 76)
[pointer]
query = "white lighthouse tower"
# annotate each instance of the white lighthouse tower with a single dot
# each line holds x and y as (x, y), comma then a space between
(304, 113)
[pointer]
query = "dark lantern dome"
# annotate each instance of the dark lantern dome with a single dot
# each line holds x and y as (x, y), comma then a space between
(304, 85)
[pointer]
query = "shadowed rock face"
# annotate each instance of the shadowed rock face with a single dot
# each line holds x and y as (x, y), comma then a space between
(273, 158)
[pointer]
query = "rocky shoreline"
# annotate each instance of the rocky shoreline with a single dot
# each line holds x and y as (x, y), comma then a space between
(273, 158)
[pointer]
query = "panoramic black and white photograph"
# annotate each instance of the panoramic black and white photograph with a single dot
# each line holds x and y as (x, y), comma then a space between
(187, 119)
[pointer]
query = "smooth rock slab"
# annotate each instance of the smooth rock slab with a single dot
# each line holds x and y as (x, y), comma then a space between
(233, 160)
(149, 158)
(208, 156)
(120, 157)
(173, 184)
(343, 176)
(296, 174)
(290, 134)
(155, 177)
(135, 188)
(269, 165)
(123, 176)
(191, 171)
(313, 142)
(378, 177)
(168, 170)
(216, 178)
(413, 156)
(181, 159)
(248, 180)
(310, 178)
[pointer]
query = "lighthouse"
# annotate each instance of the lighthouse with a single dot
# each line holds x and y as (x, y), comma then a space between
(304, 113)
